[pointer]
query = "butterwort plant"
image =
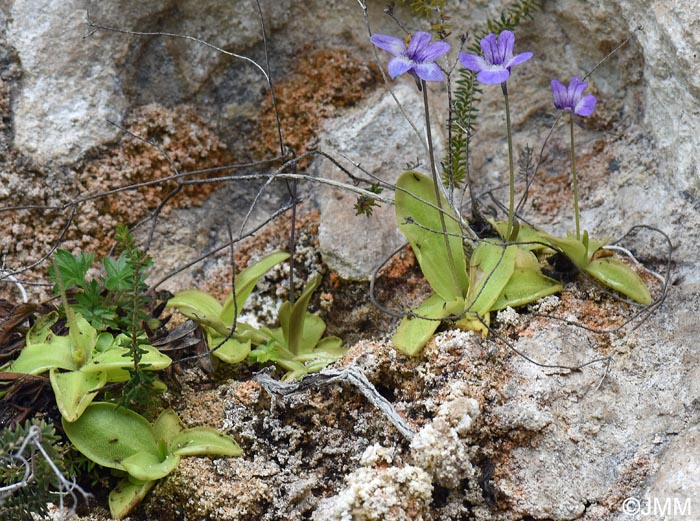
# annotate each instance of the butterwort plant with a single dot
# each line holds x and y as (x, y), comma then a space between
(464, 289)
(417, 58)
(586, 252)
(571, 99)
(494, 68)
(470, 279)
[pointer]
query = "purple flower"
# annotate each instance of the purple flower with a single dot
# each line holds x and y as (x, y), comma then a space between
(494, 66)
(572, 98)
(418, 58)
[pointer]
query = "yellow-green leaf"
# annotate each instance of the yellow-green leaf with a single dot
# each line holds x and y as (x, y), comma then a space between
(419, 220)
(200, 307)
(616, 275)
(127, 495)
(75, 390)
(527, 284)
(490, 268)
(414, 332)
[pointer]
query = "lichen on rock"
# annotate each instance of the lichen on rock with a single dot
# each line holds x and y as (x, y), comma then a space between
(381, 493)
(444, 448)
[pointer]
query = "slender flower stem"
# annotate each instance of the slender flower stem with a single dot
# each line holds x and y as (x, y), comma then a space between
(575, 179)
(436, 185)
(511, 181)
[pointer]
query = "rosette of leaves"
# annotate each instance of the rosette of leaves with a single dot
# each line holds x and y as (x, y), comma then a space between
(589, 256)
(496, 276)
(228, 343)
(120, 439)
(298, 344)
(81, 362)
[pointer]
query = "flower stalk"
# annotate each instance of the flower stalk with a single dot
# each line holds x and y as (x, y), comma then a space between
(436, 185)
(493, 67)
(574, 179)
(511, 169)
(571, 99)
(417, 58)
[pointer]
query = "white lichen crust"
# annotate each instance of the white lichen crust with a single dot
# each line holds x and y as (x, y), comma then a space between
(443, 447)
(380, 494)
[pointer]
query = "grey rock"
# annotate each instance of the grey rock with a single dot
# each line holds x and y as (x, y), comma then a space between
(77, 81)
(69, 89)
(607, 422)
(376, 137)
(674, 490)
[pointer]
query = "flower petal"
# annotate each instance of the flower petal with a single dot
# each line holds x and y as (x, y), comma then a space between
(493, 76)
(472, 62)
(433, 51)
(399, 65)
(558, 94)
(520, 58)
(506, 42)
(390, 44)
(586, 106)
(419, 41)
(429, 72)
(575, 91)
(489, 47)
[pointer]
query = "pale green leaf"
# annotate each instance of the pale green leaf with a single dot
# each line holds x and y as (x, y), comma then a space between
(200, 307)
(84, 338)
(528, 238)
(580, 252)
(108, 434)
(204, 441)
(414, 332)
(40, 332)
(167, 426)
(231, 351)
(117, 357)
(39, 358)
(616, 275)
(296, 331)
(127, 495)
(420, 223)
(246, 280)
(527, 284)
(490, 268)
(75, 390)
(314, 327)
(146, 466)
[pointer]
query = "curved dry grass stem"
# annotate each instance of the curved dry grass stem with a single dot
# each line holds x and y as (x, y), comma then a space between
(352, 375)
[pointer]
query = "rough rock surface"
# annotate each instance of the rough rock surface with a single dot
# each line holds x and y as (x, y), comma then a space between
(675, 481)
(376, 138)
(522, 438)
